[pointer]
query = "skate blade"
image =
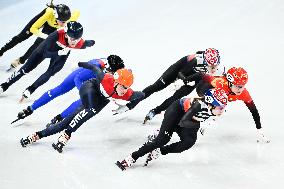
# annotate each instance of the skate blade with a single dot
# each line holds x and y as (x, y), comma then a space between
(146, 163)
(145, 120)
(56, 148)
(22, 143)
(11, 69)
(119, 165)
(22, 100)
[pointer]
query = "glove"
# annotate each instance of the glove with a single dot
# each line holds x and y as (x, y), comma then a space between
(120, 109)
(202, 130)
(42, 35)
(261, 136)
(63, 52)
(89, 43)
(176, 85)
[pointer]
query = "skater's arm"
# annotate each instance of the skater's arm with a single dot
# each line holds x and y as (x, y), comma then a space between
(97, 71)
(252, 108)
(35, 28)
(186, 120)
(87, 43)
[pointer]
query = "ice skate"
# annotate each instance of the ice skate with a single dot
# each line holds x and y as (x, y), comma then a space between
(62, 141)
(127, 162)
(152, 155)
(149, 116)
(1, 89)
(25, 113)
(15, 63)
(29, 140)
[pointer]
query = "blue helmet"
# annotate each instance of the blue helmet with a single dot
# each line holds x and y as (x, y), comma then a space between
(74, 30)
(216, 97)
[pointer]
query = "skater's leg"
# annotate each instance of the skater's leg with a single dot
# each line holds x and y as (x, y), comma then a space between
(32, 63)
(64, 87)
(166, 79)
(183, 91)
(54, 67)
(71, 108)
(188, 138)
(170, 122)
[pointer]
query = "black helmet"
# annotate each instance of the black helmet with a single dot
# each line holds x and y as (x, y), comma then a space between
(115, 63)
(74, 30)
(63, 12)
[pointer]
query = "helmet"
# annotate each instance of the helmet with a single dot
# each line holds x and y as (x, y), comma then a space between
(211, 57)
(123, 77)
(237, 76)
(115, 63)
(216, 97)
(62, 13)
(74, 30)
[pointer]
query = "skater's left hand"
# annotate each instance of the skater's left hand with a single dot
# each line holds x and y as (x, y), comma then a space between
(89, 43)
(120, 109)
(261, 136)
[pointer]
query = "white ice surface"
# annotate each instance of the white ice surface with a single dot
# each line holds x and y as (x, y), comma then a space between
(150, 36)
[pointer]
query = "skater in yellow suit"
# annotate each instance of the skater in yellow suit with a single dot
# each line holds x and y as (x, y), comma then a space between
(46, 22)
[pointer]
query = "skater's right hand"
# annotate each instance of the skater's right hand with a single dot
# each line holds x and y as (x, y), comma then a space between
(261, 137)
(120, 109)
(43, 35)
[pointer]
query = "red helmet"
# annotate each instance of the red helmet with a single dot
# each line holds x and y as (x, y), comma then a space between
(237, 76)
(211, 57)
(123, 77)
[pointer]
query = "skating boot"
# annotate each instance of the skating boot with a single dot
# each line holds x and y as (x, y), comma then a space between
(62, 141)
(14, 64)
(29, 140)
(3, 87)
(149, 116)
(127, 162)
(54, 120)
(152, 155)
(25, 113)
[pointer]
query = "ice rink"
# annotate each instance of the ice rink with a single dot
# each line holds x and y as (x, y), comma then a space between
(150, 35)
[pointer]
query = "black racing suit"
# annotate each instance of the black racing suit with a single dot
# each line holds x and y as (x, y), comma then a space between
(47, 49)
(25, 34)
(175, 120)
(182, 69)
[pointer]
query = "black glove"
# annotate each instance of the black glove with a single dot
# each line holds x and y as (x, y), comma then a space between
(89, 43)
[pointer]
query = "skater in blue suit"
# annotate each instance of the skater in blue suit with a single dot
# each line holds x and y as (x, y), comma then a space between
(75, 79)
